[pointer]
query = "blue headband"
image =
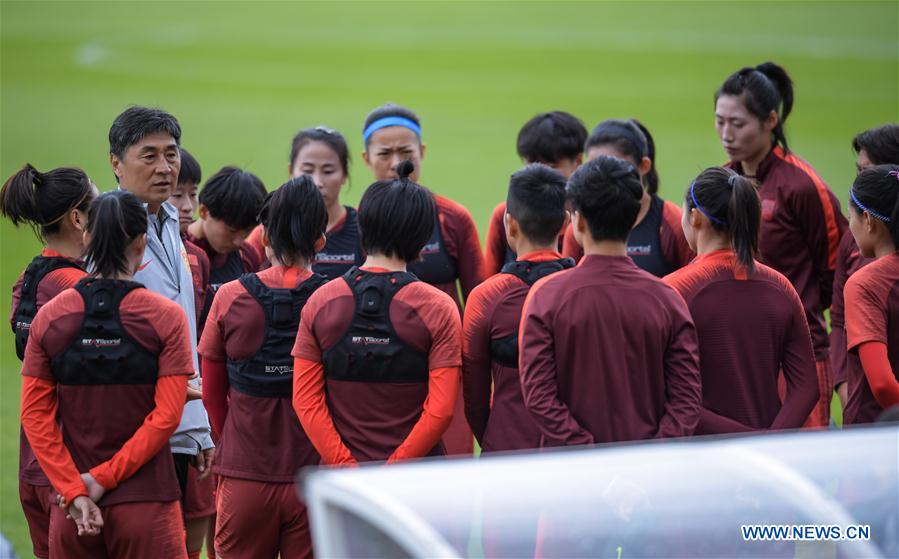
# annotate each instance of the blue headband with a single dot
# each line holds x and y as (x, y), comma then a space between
(391, 121)
(698, 207)
(882, 218)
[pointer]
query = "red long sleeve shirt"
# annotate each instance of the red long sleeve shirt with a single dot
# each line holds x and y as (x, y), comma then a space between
(607, 352)
(800, 234)
(750, 328)
(872, 324)
(849, 261)
(357, 421)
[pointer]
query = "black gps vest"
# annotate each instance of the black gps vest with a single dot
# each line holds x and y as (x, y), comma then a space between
(342, 250)
(102, 352)
(371, 350)
(505, 350)
(436, 266)
(269, 373)
(27, 307)
(644, 243)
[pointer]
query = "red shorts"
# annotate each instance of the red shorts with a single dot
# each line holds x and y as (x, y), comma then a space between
(199, 497)
(820, 416)
(260, 520)
(132, 530)
(37, 501)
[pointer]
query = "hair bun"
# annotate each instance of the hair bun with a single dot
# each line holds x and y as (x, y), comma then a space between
(405, 169)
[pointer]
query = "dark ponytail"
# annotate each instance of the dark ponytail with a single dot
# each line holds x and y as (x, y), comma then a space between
(765, 88)
(114, 220)
(295, 218)
(876, 191)
(732, 205)
(43, 199)
(632, 139)
(396, 217)
(650, 179)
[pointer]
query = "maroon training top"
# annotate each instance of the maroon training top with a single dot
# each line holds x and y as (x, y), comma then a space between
(849, 261)
(199, 265)
(52, 285)
(262, 439)
(872, 315)
(494, 312)
(608, 353)
(750, 328)
(800, 234)
(94, 416)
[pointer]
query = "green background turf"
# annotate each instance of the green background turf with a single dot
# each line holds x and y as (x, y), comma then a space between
(243, 77)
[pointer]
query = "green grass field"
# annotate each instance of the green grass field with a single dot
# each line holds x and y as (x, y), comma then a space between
(243, 77)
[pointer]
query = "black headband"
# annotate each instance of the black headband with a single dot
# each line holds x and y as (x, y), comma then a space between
(627, 130)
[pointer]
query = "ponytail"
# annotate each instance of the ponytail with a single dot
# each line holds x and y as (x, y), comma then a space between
(744, 217)
(732, 205)
(114, 221)
(43, 199)
(650, 179)
(765, 88)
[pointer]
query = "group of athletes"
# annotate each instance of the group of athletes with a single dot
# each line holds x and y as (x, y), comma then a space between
(185, 354)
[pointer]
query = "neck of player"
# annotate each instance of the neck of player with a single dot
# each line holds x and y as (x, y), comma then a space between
(335, 213)
(524, 247)
(751, 164)
(709, 240)
(605, 247)
(69, 246)
(383, 261)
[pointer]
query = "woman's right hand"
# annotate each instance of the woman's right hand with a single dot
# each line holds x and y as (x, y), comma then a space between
(86, 515)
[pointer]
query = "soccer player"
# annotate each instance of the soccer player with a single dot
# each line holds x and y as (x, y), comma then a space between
(146, 159)
(383, 346)
(877, 146)
(451, 260)
(323, 154)
(656, 243)
(872, 308)
(247, 378)
(229, 205)
(105, 381)
(534, 219)
(55, 205)
(801, 219)
(607, 352)
(556, 139)
(760, 331)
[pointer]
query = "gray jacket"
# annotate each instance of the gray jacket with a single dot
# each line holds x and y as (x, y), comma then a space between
(166, 270)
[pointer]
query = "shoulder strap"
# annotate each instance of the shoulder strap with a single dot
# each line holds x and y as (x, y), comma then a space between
(530, 272)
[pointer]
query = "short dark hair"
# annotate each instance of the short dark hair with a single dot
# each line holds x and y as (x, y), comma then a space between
(137, 122)
(551, 137)
(396, 217)
(536, 200)
(877, 188)
(114, 220)
(881, 144)
(734, 206)
(295, 218)
(190, 169)
(765, 88)
(234, 196)
(606, 192)
(328, 136)
(43, 199)
(386, 110)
